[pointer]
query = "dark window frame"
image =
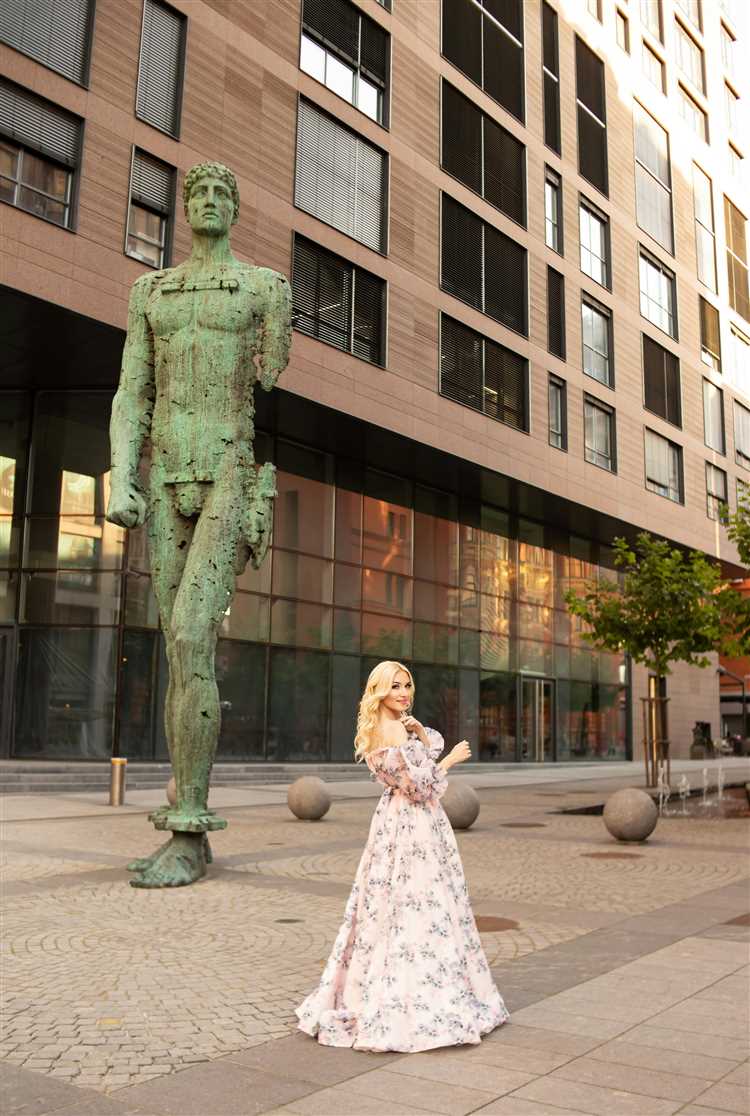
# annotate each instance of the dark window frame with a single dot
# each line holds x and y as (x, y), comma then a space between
(551, 82)
(705, 339)
(653, 259)
(554, 179)
(561, 384)
(485, 13)
(678, 425)
(712, 509)
(741, 459)
(168, 212)
(681, 467)
(484, 341)
(85, 81)
(181, 66)
(723, 450)
(603, 309)
(599, 404)
(600, 215)
(561, 352)
(583, 108)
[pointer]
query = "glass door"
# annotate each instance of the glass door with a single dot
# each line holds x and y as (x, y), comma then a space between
(537, 714)
(7, 664)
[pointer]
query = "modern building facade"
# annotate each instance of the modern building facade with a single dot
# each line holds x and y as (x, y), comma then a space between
(516, 234)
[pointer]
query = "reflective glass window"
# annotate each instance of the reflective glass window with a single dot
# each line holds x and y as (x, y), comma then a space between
(80, 597)
(300, 624)
(387, 536)
(497, 717)
(387, 592)
(241, 678)
(387, 636)
(246, 618)
(299, 576)
(348, 525)
(70, 473)
(298, 706)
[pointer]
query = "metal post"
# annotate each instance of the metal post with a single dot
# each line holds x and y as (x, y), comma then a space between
(118, 768)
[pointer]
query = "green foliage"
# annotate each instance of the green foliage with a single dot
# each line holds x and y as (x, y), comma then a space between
(738, 525)
(668, 606)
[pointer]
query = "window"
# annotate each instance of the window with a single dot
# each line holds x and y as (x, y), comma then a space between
(741, 435)
(622, 30)
(596, 329)
(594, 235)
(713, 417)
(732, 103)
(482, 155)
(482, 266)
(738, 361)
(692, 10)
(160, 67)
(653, 183)
(338, 303)
(727, 48)
(346, 51)
(483, 375)
(658, 301)
(736, 231)
(661, 382)
(151, 206)
(716, 491)
(692, 114)
(555, 313)
(340, 178)
(599, 433)
(592, 120)
(484, 39)
(39, 154)
(551, 77)
(651, 17)
(705, 244)
(653, 67)
(595, 8)
(57, 35)
(663, 467)
(553, 213)
(710, 334)
(690, 58)
(737, 164)
(558, 413)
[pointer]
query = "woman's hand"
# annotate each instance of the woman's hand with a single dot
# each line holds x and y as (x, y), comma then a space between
(411, 724)
(459, 754)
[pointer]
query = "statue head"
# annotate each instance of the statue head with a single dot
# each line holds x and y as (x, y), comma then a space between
(211, 198)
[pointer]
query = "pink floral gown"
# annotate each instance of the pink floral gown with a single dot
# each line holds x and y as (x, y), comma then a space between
(407, 971)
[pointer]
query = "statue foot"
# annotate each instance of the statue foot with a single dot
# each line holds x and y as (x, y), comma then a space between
(192, 820)
(142, 862)
(180, 862)
(209, 856)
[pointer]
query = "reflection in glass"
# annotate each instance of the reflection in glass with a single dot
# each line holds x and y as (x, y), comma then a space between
(494, 651)
(346, 692)
(536, 580)
(386, 636)
(246, 618)
(7, 484)
(387, 592)
(498, 555)
(468, 710)
(297, 575)
(435, 643)
(81, 542)
(592, 721)
(14, 431)
(435, 548)
(71, 441)
(139, 709)
(470, 599)
(9, 537)
(300, 624)
(435, 602)
(70, 597)
(298, 707)
(346, 630)
(387, 536)
(562, 660)
(496, 613)
(469, 648)
(303, 514)
(137, 543)
(65, 693)
(141, 610)
(348, 525)
(436, 701)
(241, 678)
(497, 718)
(538, 658)
(256, 581)
(348, 585)
(470, 550)
(582, 663)
(8, 587)
(535, 622)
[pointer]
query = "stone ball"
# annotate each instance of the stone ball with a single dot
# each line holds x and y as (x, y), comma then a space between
(172, 792)
(308, 798)
(630, 814)
(461, 804)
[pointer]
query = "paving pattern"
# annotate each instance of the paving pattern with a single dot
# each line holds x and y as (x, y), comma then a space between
(110, 988)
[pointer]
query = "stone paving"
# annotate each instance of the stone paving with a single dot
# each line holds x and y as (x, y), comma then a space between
(628, 978)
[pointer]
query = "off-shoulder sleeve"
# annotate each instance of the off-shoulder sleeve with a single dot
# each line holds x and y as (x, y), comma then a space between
(413, 774)
(435, 743)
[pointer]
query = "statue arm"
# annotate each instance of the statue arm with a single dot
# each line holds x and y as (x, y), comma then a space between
(131, 413)
(275, 340)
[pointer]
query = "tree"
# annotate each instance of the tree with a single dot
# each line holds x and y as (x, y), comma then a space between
(668, 606)
(737, 524)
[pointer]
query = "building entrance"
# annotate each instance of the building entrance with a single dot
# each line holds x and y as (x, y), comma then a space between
(7, 667)
(537, 707)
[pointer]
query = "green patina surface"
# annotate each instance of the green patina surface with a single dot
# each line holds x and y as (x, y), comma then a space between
(200, 335)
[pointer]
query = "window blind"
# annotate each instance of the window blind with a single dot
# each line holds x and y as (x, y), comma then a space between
(56, 33)
(663, 466)
(483, 375)
(339, 177)
(462, 138)
(592, 130)
(38, 124)
(713, 416)
(492, 58)
(340, 25)
(461, 361)
(741, 435)
(710, 331)
(661, 381)
(152, 183)
(556, 313)
(551, 78)
(160, 66)
(737, 274)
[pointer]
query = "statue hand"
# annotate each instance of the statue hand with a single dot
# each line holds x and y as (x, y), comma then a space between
(127, 506)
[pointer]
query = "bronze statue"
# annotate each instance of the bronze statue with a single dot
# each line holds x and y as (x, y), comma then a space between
(199, 336)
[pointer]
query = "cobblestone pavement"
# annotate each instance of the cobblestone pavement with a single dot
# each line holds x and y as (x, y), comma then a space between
(112, 989)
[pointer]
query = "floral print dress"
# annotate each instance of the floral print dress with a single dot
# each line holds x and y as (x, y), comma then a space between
(407, 971)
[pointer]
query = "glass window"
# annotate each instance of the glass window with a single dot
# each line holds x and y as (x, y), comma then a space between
(300, 624)
(599, 434)
(692, 10)
(434, 602)
(692, 114)
(346, 688)
(436, 536)
(732, 103)
(651, 17)
(8, 592)
(437, 687)
(653, 67)
(387, 636)
(14, 436)
(741, 435)
(594, 232)
(354, 37)
(622, 29)
(384, 591)
(35, 184)
(241, 678)
(596, 343)
(658, 294)
(653, 178)
(346, 630)
(348, 525)
(595, 8)
(161, 67)
(348, 585)
(558, 434)
(247, 618)
(497, 717)
(713, 417)
(716, 490)
(298, 706)
(146, 235)
(71, 454)
(303, 518)
(553, 211)
(738, 361)
(435, 643)
(705, 246)
(737, 274)
(65, 693)
(387, 536)
(727, 48)
(663, 467)
(710, 334)
(71, 597)
(141, 610)
(689, 57)
(302, 577)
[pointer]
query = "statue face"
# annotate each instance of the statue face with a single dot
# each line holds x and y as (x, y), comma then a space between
(210, 207)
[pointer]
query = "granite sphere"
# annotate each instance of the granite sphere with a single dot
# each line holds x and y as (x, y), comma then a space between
(461, 804)
(308, 798)
(630, 814)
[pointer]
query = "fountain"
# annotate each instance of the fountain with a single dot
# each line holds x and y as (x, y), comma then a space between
(663, 788)
(684, 789)
(704, 799)
(720, 782)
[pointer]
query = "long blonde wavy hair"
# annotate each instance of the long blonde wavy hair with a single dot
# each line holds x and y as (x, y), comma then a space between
(378, 687)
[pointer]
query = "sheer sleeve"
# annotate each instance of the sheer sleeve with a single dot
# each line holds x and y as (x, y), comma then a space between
(435, 743)
(410, 771)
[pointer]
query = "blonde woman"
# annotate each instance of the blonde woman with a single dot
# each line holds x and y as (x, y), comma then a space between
(407, 971)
